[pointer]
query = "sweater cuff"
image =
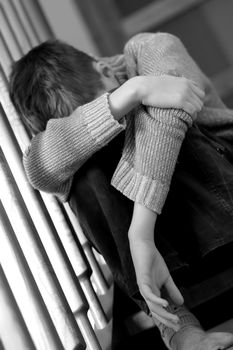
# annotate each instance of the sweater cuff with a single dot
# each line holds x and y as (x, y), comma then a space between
(99, 120)
(187, 320)
(149, 192)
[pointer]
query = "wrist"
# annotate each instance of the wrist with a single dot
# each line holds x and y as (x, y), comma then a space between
(135, 240)
(145, 86)
(142, 224)
(135, 85)
(125, 98)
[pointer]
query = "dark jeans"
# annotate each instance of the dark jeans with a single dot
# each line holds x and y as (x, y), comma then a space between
(197, 217)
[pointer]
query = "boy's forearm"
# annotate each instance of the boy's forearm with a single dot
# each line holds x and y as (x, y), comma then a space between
(142, 224)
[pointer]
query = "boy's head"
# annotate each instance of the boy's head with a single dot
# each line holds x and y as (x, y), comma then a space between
(52, 80)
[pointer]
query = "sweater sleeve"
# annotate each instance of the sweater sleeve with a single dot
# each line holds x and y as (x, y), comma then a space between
(57, 153)
(161, 53)
(154, 139)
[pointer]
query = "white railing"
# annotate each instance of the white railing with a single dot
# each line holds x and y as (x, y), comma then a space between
(51, 282)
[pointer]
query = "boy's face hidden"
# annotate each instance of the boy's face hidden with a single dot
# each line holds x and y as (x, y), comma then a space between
(107, 76)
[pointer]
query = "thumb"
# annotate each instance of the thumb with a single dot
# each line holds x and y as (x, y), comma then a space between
(173, 291)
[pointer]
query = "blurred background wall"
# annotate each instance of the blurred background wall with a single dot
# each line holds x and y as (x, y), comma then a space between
(103, 26)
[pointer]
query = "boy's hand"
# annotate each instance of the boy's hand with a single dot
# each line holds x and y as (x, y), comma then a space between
(164, 91)
(151, 270)
(167, 91)
(153, 275)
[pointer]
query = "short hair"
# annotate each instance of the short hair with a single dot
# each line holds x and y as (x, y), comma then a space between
(51, 81)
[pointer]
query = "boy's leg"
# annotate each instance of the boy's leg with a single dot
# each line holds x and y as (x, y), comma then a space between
(206, 178)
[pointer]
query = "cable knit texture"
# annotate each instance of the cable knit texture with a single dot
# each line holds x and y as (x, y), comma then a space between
(187, 319)
(153, 136)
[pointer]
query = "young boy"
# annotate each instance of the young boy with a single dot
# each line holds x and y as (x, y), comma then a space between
(143, 175)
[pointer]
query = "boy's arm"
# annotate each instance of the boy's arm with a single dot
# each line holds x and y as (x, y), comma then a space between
(148, 161)
(163, 53)
(159, 54)
(144, 173)
(151, 271)
(57, 153)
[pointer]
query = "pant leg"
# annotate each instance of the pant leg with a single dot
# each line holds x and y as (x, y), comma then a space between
(200, 201)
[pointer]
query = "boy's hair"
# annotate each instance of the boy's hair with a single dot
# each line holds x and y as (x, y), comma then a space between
(50, 81)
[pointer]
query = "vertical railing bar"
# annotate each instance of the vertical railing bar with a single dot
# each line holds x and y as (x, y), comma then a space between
(77, 259)
(39, 20)
(101, 283)
(21, 23)
(98, 275)
(45, 229)
(85, 285)
(6, 57)
(16, 25)
(67, 284)
(34, 203)
(11, 316)
(24, 9)
(9, 35)
(96, 307)
(24, 20)
(23, 285)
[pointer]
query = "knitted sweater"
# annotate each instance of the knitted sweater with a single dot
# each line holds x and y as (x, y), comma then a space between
(153, 137)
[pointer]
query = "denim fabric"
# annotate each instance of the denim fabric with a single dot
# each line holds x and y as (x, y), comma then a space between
(200, 202)
(196, 219)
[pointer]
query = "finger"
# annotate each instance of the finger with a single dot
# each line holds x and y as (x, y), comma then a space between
(156, 307)
(196, 105)
(173, 292)
(163, 313)
(200, 105)
(148, 294)
(193, 98)
(167, 323)
(198, 91)
(192, 109)
(197, 87)
(195, 101)
(189, 108)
